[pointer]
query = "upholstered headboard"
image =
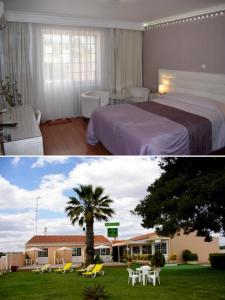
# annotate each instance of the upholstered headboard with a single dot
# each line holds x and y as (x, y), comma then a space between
(194, 83)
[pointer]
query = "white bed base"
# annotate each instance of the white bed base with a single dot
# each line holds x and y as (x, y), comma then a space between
(194, 83)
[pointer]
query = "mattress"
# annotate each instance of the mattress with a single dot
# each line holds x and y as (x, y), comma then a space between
(139, 130)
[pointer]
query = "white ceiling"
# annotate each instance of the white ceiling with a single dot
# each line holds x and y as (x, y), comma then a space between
(121, 10)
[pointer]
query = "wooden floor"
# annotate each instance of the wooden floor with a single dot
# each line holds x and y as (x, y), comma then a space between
(69, 139)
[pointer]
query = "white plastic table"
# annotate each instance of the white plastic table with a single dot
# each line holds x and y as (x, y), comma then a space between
(142, 272)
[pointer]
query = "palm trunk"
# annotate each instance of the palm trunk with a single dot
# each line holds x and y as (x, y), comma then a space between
(90, 242)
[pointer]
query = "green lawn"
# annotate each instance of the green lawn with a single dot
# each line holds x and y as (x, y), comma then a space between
(182, 282)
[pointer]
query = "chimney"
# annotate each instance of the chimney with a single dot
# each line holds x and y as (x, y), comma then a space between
(45, 230)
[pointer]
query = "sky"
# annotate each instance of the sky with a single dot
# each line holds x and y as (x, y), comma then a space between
(49, 181)
(24, 181)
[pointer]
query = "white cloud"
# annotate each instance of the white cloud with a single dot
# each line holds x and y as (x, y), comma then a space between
(43, 161)
(15, 161)
(125, 179)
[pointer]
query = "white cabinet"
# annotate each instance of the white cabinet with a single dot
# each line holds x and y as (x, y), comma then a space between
(25, 138)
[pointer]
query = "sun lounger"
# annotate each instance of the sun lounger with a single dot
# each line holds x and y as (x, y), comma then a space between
(2, 272)
(66, 268)
(87, 269)
(45, 268)
(95, 271)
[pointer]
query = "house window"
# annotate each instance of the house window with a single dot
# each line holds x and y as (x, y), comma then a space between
(69, 56)
(161, 247)
(43, 253)
(164, 248)
(147, 249)
(136, 250)
(76, 252)
(103, 251)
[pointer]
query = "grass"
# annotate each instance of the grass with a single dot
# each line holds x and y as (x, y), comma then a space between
(182, 282)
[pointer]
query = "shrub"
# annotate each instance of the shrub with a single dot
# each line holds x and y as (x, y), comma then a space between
(98, 260)
(158, 259)
(94, 293)
(14, 268)
(173, 257)
(149, 257)
(217, 260)
(134, 265)
(189, 256)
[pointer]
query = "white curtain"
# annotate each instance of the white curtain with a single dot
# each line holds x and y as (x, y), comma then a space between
(66, 62)
(15, 63)
(126, 59)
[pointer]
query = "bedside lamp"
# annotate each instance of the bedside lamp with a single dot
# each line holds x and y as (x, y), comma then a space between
(162, 89)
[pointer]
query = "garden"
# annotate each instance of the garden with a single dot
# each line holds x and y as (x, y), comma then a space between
(186, 282)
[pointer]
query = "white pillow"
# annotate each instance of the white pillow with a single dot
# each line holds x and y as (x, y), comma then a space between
(195, 100)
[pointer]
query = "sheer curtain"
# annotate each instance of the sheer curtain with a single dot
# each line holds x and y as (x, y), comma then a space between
(66, 62)
(15, 62)
(126, 59)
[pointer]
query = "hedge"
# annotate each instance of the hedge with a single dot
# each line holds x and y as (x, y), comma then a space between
(217, 260)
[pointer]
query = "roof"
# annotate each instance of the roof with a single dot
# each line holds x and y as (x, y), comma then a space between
(144, 236)
(118, 241)
(64, 239)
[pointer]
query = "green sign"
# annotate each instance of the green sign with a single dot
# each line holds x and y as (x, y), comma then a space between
(112, 232)
(115, 224)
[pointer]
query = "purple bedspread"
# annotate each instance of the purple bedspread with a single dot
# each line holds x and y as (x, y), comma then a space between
(131, 130)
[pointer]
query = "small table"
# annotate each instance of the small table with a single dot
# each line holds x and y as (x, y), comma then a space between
(119, 98)
(142, 272)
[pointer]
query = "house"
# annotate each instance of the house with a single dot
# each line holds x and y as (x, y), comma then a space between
(149, 243)
(81, 61)
(65, 248)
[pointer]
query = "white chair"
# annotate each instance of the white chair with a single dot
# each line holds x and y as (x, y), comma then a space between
(153, 276)
(138, 95)
(38, 116)
(90, 101)
(132, 276)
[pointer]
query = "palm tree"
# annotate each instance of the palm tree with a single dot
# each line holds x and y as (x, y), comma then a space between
(88, 205)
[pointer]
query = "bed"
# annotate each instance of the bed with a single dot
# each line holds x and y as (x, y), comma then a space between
(188, 120)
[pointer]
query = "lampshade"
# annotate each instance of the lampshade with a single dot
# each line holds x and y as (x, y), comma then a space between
(162, 89)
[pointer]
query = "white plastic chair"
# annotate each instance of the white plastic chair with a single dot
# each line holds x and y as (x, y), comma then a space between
(132, 276)
(38, 116)
(90, 101)
(138, 95)
(153, 276)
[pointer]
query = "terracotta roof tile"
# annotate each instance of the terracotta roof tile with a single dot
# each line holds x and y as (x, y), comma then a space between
(144, 236)
(43, 239)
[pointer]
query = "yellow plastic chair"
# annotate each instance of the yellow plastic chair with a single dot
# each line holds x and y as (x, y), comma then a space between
(96, 270)
(67, 267)
(87, 269)
(45, 268)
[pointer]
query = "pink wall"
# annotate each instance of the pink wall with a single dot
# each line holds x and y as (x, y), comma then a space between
(184, 47)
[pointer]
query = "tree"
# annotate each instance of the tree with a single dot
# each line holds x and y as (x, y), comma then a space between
(189, 195)
(88, 205)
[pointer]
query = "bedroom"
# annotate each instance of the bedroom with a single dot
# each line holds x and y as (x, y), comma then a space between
(101, 77)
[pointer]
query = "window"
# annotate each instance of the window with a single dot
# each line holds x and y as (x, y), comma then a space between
(69, 56)
(76, 252)
(161, 247)
(136, 250)
(43, 253)
(103, 251)
(147, 249)
(164, 248)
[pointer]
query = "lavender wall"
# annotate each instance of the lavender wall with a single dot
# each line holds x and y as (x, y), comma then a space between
(184, 47)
